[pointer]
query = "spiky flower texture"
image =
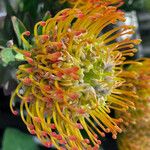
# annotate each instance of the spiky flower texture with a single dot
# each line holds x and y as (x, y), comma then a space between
(74, 75)
(77, 3)
(137, 122)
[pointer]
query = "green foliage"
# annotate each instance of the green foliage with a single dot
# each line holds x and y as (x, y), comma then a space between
(147, 4)
(16, 140)
(29, 12)
(19, 57)
(138, 5)
(19, 28)
(7, 56)
(130, 5)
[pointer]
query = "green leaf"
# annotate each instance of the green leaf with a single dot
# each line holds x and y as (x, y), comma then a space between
(19, 57)
(16, 140)
(7, 56)
(47, 16)
(19, 28)
(147, 4)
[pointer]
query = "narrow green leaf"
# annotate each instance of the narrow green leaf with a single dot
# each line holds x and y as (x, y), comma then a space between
(47, 16)
(19, 28)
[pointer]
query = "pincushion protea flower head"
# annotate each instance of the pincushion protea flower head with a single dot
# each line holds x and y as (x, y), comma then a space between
(137, 122)
(73, 76)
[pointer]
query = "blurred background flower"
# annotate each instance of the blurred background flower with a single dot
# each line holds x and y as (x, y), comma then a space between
(136, 134)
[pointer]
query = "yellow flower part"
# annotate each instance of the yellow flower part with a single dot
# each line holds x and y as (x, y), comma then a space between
(73, 75)
(137, 125)
(87, 2)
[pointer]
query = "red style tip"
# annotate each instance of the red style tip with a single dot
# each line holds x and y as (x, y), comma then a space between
(32, 131)
(59, 137)
(62, 142)
(79, 126)
(80, 15)
(27, 81)
(59, 45)
(96, 147)
(72, 138)
(15, 112)
(44, 133)
(43, 23)
(81, 111)
(29, 60)
(62, 148)
(96, 136)
(59, 74)
(55, 56)
(31, 127)
(45, 37)
(73, 96)
(103, 134)
(53, 134)
(27, 33)
(47, 87)
(114, 136)
(37, 119)
(48, 144)
(27, 53)
(52, 126)
(87, 141)
(74, 148)
(99, 142)
(29, 70)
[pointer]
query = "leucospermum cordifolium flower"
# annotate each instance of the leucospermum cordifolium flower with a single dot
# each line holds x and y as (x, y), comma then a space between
(74, 75)
(137, 122)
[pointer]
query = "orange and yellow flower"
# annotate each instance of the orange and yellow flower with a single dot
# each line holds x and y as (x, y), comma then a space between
(87, 2)
(137, 122)
(73, 75)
